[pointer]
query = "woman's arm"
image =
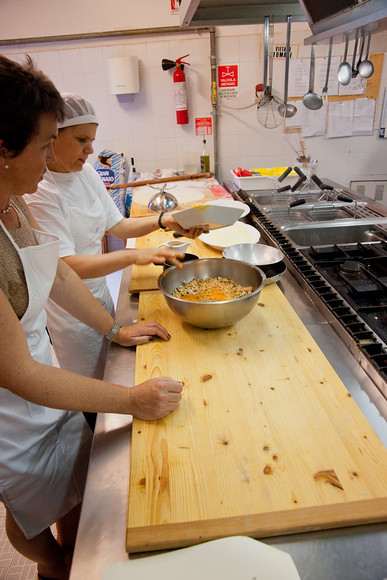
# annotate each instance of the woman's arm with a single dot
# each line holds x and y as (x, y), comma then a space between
(137, 227)
(93, 266)
(60, 389)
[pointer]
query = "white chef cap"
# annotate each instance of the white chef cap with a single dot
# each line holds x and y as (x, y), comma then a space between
(77, 111)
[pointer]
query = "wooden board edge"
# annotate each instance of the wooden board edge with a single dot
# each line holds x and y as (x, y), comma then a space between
(179, 535)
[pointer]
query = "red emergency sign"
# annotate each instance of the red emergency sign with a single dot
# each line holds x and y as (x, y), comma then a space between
(228, 75)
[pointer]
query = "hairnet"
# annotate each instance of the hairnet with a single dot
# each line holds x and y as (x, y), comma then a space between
(77, 111)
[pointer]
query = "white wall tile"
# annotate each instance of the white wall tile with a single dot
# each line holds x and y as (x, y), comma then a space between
(144, 125)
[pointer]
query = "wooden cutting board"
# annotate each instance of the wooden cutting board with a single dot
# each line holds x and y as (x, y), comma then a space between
(145, 277)
(266, 441)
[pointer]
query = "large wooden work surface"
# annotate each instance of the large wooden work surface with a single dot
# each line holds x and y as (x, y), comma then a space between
(266, 441)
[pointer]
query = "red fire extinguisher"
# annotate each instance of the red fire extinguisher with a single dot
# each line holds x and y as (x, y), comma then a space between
(181, 102)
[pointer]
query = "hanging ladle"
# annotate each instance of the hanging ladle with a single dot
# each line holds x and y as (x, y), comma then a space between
(325, 89)
(366, 68)
(344, 73)
(287, 110)
(354, 68)
(360, 54)
(312, 100)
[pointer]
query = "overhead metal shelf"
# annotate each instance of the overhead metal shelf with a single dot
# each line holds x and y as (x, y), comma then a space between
(368, 17)
(228, 12)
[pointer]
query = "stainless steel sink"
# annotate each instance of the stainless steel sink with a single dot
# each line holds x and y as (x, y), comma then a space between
(283, 214)
(339, 232)
(325, 215)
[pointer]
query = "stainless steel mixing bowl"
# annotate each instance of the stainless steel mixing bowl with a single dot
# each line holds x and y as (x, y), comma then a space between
(212, 314)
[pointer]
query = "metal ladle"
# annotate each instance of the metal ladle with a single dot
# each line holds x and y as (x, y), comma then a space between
(366, 68)
(287, 110)
(312, 100)
(325, 89)
(354, 68)
(344, 74)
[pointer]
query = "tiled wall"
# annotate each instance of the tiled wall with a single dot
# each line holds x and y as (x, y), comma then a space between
(143, 126)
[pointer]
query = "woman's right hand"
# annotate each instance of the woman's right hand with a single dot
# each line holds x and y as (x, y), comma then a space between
(155, 398)
(158, 255)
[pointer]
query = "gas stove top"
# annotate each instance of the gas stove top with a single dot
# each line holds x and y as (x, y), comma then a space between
(358, 272)
(348, 283)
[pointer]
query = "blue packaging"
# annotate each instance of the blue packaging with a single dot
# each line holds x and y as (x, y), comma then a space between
(112, 168)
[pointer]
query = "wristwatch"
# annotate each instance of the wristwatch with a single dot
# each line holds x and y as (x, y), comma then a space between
(114, 331)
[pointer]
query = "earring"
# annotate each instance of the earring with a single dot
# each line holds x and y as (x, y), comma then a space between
(6, 166)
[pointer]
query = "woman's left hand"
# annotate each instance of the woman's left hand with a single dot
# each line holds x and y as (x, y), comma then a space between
(140, 333)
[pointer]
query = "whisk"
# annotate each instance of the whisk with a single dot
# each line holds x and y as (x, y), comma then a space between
(267, 108)
(294, 138)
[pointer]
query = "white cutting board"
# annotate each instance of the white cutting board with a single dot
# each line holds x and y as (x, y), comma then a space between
(234, 558)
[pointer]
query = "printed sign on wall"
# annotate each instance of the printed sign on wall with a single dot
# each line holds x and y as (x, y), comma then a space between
(203, 126)
(228, 86)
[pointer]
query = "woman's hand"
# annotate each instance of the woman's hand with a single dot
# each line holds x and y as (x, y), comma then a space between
(156, 255)
(170, 222)
(155, 398)
(140, 333)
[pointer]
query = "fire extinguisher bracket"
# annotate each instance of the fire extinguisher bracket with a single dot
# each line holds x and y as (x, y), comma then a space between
(181, 103)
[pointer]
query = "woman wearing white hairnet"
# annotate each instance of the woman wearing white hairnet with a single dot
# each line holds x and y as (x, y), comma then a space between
(73, 203)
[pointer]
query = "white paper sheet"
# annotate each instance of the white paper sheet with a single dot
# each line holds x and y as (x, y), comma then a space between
(363, 116)
(297, 119)
(314, 122)
(235, 558)
(321, 74)
(298, 77)
(357, 86)
(340, 119)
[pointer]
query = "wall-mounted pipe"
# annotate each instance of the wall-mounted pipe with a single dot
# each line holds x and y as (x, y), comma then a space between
(214, 98)
(99, 35)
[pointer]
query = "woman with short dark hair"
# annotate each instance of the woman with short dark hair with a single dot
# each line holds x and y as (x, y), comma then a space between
(44, 438)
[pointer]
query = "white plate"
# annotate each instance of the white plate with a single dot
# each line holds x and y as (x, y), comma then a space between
(239, 233)
(208, 217)
(231, 203)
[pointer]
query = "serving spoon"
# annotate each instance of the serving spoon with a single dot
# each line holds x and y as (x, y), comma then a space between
(285, 109)
(366, 68)
(344, 74)
(312, 100)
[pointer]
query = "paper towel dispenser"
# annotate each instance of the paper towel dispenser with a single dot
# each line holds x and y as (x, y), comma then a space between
(124, 76)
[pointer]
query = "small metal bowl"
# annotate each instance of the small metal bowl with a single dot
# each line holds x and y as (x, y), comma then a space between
(257, 254)
(267, 258)
(212, 314)
(274, 272)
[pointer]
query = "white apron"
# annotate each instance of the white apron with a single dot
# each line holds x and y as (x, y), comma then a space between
(44, 452)
(78, 347)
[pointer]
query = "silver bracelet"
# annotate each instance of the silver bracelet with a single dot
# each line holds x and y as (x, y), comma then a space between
(114, 331)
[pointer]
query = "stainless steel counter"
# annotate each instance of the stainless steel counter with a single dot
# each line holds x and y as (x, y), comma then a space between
(357, 553)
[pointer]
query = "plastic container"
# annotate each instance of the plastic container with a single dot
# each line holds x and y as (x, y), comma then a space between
(266, 180)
